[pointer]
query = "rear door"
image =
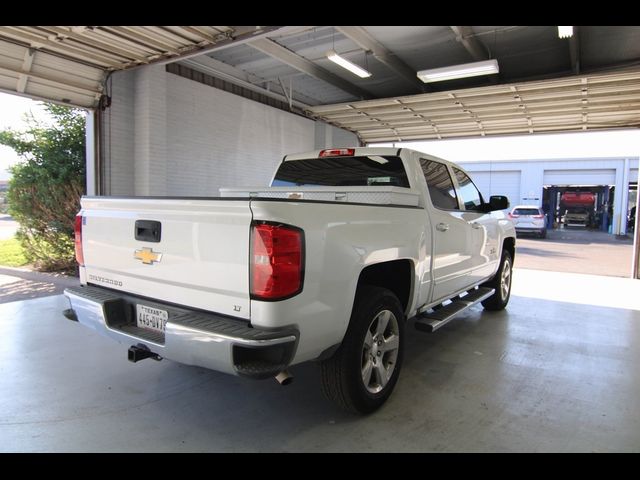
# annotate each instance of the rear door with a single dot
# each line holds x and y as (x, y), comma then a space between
(189, 252)
(452, 243)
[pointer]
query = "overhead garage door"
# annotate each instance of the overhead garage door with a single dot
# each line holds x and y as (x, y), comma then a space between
(499, 183)
(580, 177)
(633, 175)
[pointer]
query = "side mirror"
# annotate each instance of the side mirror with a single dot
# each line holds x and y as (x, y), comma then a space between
(498, 202)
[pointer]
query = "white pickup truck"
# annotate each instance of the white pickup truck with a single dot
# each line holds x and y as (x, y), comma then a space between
(327, 264)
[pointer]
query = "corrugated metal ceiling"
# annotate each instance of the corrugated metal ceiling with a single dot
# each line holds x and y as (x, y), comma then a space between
(577, 103)
(69, 63)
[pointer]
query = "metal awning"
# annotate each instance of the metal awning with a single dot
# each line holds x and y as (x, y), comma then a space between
(68, 64)
(577, 103)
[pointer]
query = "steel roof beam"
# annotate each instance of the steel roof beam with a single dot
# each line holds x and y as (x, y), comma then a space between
(464, 35)
(234, 75)
(277, 51)
(574, 50)
(26, 67)
(361, 37)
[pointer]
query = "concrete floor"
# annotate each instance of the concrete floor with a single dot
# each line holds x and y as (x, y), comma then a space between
(557, 371)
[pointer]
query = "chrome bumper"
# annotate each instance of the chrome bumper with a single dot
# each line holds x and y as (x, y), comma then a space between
(193, 338)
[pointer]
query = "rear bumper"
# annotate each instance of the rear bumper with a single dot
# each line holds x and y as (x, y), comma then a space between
(530, 229)
(204, 339)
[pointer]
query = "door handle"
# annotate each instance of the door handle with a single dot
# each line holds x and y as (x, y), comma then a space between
(442, 227)
(475, 225)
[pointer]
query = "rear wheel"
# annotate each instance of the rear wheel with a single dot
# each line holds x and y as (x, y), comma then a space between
(501, 282)
(362, 373)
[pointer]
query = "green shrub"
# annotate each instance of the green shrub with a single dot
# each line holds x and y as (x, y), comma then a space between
(46, 186)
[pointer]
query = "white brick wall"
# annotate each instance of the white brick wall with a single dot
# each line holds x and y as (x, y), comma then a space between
(174, 136)
(118, 137)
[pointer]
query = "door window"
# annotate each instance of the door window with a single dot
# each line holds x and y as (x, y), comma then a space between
(441, 190)
(469, 194)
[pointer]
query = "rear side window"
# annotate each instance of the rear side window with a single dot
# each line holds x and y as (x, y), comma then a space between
(441, 190)
(527, 211)
(370, 170)
(471, 197)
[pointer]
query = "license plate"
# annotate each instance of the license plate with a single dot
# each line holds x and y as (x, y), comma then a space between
(151, 318)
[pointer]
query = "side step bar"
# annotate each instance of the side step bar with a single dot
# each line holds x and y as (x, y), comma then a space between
(430, 322)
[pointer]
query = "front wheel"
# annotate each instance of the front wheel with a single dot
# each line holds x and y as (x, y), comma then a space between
(362, 373)
(501, 282)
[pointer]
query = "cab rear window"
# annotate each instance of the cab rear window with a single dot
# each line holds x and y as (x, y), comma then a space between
(369, 170)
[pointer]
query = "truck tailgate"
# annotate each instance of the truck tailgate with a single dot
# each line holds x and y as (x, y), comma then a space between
(201, 259)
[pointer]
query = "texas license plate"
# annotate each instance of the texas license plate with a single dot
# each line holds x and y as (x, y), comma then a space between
(151, 318)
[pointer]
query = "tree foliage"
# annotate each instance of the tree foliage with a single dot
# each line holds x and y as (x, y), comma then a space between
(46, 185)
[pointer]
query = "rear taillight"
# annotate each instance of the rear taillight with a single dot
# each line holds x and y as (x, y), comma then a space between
(538, 216)
(78, 239)
(511, 215)
(277, 259)
(338, 152)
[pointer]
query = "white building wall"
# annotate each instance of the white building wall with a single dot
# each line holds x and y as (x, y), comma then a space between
(168, 135)
(534, 174)
(117, 137)
(151, 131)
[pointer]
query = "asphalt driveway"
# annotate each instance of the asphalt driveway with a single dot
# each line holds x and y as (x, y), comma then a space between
(576, 251)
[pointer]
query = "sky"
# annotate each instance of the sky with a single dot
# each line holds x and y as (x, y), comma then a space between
(12, 111)
(589, 144)
(619, 143)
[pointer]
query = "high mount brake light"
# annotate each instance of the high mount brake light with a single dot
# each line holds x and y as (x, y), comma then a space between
(277, 259)
(338, 152)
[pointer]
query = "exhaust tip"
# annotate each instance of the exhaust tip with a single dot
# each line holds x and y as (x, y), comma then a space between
(284, 378)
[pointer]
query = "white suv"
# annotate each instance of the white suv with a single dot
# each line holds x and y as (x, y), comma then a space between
(529, 219)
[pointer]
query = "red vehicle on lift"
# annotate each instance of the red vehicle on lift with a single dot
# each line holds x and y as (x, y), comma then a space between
(578, 208)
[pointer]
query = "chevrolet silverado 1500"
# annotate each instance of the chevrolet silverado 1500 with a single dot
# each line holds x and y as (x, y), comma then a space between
(326, 264)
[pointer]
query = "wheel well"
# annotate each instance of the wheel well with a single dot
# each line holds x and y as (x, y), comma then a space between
(509, 245)
(395, 275)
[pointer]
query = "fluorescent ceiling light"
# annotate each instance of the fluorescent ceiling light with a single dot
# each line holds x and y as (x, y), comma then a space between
(344, 63)
(474, 69)
(565, 32)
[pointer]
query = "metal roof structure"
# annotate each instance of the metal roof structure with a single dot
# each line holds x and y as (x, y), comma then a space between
(69, 64)
(545, 83)
(576, 103)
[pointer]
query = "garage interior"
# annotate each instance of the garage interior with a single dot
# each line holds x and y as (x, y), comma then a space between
(183, 111)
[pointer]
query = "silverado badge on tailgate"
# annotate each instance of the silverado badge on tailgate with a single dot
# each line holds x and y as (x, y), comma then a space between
(147, 255)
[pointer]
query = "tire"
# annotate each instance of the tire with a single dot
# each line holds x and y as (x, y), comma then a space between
(543, 234)
(501, 282)
(357, 376)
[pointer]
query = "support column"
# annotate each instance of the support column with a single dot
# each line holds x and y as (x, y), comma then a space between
(624, 207)
(635, 266)
(617, 201)
(90, 148)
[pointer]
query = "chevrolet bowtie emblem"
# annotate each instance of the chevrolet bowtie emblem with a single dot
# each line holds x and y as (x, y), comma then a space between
(147, 255)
